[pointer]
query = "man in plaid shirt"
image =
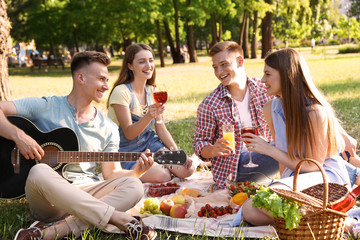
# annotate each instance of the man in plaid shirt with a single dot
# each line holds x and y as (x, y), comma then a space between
(238, 99)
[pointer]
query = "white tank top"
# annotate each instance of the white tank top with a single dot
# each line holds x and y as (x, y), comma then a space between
(243, 108)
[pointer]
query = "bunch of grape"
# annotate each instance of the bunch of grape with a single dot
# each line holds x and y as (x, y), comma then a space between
(151, 206)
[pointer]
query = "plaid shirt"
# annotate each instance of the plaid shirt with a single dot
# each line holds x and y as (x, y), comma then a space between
(219, 108)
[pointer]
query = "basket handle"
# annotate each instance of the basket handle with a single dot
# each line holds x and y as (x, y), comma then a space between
(326, 187)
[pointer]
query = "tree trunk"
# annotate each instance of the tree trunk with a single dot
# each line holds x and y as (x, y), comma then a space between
(5, 50)
(160, 46)
(245, 45)
(170, 40)
(254, 40)
(177, 58)
(266, 29)
(213, 30)
(191, 44)
(242, 30)
(190, 38)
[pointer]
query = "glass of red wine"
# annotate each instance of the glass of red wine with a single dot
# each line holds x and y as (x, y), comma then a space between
(249, 128)
(160, 96)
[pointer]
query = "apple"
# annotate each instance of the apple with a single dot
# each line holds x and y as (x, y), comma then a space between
(166, 205)
(178, 211)
(179, 199)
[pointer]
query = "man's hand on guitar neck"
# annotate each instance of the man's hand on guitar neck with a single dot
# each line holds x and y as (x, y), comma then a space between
(143, 164)
(27, 146)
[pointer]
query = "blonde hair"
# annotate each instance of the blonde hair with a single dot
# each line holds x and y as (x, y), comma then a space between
(298, 91)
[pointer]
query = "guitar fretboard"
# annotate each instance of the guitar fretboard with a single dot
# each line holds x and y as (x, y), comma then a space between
(75, 156)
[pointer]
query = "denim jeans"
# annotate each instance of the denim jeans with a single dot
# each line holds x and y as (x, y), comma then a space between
(268, 168)
(353, 171)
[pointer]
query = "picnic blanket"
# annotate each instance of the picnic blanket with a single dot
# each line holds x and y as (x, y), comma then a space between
(194, 225)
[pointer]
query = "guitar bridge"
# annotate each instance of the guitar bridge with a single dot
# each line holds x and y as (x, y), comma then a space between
(15, 160)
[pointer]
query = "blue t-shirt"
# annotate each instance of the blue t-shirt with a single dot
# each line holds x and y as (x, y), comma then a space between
(100, 134)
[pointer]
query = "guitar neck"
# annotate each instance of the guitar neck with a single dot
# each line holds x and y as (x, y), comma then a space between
(75, 156)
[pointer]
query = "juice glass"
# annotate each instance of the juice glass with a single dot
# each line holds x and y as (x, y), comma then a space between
(228, 134)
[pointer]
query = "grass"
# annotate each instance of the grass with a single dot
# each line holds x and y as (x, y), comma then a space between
(338, 76)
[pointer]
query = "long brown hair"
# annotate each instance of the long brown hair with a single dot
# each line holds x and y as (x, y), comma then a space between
(298, 91)
(126, 75)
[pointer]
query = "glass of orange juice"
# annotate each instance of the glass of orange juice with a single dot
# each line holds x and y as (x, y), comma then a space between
(228, 134)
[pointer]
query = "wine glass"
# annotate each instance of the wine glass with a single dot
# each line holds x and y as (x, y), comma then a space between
(249, 128)
(160, 96)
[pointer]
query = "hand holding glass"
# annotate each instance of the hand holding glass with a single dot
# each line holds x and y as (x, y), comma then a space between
(249, 128)
(160, 96)
(228, 134)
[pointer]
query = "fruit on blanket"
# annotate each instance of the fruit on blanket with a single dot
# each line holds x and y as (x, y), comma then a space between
(151, 206)
(166, 205)
(247, 187)
(240, 198)
(178, 211)
(214, 212)
(190, 192)
(158, 190)
(178, 199)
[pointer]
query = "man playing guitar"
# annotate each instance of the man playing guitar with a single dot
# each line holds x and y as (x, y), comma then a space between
(52, 199)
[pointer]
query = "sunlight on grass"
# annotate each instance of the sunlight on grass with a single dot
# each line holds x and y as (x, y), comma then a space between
(338, 77)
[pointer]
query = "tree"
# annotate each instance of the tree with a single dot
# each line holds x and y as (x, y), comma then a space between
(355, 7)
(5, 49)
(292, 20)
(266, 30)
(194, 16)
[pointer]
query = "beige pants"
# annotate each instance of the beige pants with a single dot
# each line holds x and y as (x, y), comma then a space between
(52, 198)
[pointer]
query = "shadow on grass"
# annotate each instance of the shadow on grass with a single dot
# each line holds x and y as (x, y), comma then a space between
(51, 72)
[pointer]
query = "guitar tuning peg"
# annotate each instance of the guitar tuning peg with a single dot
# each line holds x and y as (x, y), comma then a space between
(171, 167)
(171, 148)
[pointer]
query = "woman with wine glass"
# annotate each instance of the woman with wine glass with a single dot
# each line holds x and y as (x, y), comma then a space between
(130, 106)
(304, 126)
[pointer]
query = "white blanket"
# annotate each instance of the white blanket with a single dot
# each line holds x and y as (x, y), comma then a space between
(194, 225)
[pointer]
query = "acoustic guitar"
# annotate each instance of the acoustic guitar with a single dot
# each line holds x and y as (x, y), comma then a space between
(61, 146)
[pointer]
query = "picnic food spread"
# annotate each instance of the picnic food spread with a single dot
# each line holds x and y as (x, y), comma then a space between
(176, 205)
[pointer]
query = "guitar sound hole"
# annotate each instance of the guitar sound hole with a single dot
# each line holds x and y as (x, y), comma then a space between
(50, 157)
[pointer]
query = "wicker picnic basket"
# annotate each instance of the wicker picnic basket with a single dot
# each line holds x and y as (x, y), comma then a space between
(318, 221)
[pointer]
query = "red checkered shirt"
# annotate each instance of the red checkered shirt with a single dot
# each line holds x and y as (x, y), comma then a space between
(219, 108)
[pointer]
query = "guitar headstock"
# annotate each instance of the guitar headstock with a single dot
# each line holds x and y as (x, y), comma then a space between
(174, 157)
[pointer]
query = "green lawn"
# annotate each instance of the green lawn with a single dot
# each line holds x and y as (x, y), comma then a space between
(338, 76)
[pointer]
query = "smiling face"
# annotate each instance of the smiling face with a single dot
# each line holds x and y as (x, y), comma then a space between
(94, 78)
(272, 81)
(143, 65)
(227, 66)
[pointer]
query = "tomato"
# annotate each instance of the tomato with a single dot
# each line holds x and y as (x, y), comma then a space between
(246, 183)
